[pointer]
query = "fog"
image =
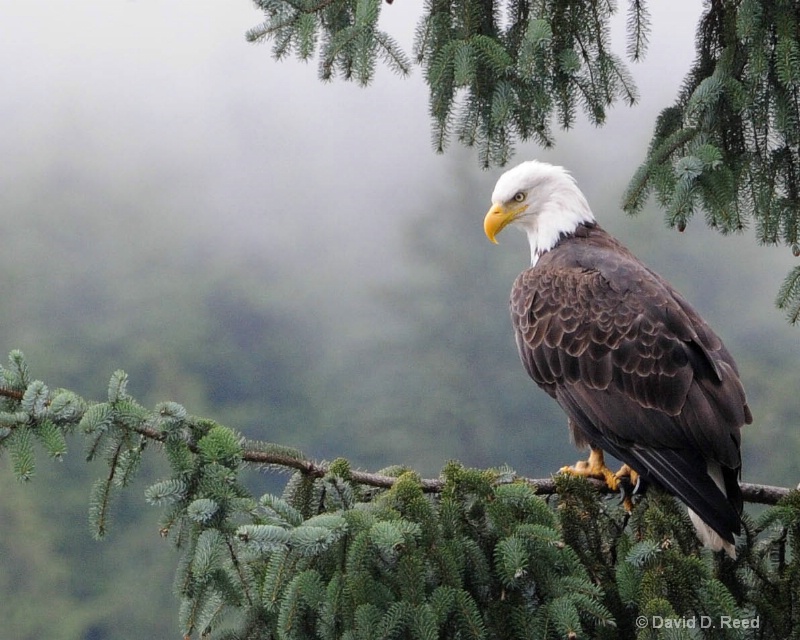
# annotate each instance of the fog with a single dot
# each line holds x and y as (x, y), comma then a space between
(128, 94)
(132, 96)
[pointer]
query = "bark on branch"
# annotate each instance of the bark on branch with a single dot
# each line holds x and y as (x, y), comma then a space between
(752, 493)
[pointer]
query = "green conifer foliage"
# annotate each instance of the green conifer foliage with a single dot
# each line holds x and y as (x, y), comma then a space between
(728, 148)
(349, 555)
(494, 78)
(502, 71)
(345, 32)
(497, 72)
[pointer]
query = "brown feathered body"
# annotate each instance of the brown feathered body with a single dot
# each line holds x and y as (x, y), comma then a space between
(637, 370)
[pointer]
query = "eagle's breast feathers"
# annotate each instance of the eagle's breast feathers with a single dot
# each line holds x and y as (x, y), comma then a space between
(593, 321)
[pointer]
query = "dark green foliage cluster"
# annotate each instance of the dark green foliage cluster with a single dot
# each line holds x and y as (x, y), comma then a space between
(482, 556)
(773, 564)
(39, 416)
(730, 146)
(495, 77)
(345, 32)
(330, 560)
(498, 72)
(495, 73)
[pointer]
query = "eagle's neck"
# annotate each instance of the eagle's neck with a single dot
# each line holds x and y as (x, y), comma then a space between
(558, 217)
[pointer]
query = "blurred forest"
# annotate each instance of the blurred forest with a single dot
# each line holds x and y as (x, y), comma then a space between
(291, 260)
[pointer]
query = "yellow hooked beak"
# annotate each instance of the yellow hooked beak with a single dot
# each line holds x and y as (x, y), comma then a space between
(498, 218)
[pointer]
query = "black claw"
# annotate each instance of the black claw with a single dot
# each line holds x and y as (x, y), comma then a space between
(627, 490)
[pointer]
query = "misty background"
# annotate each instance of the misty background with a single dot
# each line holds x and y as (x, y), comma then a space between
(291, 258)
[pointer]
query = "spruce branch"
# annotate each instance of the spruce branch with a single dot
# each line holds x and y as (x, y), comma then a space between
(501, 72)
(752, 493)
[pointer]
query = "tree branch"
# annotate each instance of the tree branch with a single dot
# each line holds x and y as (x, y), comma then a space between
(752, 493)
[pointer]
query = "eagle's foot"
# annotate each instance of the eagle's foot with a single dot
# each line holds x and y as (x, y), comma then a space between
(627, 480)
(594, 467)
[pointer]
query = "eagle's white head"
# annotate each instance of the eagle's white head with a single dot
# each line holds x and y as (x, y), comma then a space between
(540, 198)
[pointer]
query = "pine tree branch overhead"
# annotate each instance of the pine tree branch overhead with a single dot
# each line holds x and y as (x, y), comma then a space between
(728, 147)
(501, 72)
(496, 72)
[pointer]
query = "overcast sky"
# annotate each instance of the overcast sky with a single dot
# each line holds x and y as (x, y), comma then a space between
(154, 95)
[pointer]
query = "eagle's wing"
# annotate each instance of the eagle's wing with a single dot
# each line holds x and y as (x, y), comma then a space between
(638, 371)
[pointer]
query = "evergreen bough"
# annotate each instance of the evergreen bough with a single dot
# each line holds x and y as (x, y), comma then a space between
(344, 554)
(496, 72)
(502, 71)
(729, 147)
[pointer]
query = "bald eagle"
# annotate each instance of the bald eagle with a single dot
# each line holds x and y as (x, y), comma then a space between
(638, 372)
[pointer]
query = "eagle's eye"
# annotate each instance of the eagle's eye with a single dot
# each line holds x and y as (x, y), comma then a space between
(519, 196)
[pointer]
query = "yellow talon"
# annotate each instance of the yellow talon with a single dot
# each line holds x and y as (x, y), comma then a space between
(594, 467)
